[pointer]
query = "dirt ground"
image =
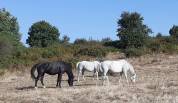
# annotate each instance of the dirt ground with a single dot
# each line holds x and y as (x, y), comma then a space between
(157, 82)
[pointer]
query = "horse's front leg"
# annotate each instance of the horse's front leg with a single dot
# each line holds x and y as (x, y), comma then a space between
(83, 74)
(120, 76)
(78, 76)
(125, 73)
(59, 80)
(95, 73)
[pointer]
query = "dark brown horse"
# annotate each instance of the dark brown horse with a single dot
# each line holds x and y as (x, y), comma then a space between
(52, 68)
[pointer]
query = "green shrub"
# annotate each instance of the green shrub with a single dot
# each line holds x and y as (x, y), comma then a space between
(135, 52)
(169, 48)
(49, 53)
(95, 51)
(154, 46)
(164, 44)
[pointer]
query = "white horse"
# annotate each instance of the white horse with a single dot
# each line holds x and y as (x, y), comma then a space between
(91, 66)
(118, 66)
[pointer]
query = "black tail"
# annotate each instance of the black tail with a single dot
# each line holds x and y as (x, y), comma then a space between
(33, 71)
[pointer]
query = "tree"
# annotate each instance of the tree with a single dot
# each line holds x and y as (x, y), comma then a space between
(174, 31)
(65, 39)
(8, 23)
(131, 30)
(42, 34)
(107, 39)
(159, 35)
(80, 41)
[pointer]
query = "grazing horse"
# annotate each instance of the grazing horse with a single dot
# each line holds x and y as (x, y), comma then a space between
(119, 66)
(52, 68)
(91, 66)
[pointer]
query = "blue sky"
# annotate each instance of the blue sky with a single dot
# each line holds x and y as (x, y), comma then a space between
(91, 18)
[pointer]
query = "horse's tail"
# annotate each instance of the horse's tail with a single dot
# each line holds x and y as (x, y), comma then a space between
(33, 71)
(77, 65)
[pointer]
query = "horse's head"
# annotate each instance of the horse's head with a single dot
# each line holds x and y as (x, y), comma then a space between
(71, 80)
(133, 78)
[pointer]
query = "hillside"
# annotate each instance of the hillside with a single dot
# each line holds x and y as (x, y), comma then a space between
(157, 82)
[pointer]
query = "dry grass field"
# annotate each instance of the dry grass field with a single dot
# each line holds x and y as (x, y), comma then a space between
(157, 82)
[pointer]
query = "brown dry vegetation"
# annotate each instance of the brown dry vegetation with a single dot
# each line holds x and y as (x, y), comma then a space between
(157, 82)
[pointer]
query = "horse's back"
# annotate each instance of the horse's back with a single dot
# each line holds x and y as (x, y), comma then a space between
(54, 67)
(114, 66)
(88, 65)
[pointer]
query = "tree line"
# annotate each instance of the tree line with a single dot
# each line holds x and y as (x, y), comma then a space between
(133, 39)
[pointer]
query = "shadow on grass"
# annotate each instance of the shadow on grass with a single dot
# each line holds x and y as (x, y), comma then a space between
(48, 87)
(25, 88)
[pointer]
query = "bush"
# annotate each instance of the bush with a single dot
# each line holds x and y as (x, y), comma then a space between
(135, 52)
(154, 46)
(164, 44)
(96, 51)
(80, 41)
(169, 48)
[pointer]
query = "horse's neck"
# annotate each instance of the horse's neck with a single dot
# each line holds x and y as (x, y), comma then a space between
(69, 73)
(132, 69)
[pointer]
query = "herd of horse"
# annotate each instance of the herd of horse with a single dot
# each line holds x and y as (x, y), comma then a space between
(61, 67)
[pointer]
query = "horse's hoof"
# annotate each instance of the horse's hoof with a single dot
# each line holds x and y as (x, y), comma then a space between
(58, 86)
(36, 87)
(44, 87)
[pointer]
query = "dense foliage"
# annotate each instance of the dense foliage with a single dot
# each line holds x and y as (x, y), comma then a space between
(42, 34)
(10, 45)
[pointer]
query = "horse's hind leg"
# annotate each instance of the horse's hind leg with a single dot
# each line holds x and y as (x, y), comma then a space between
(41, 79)
(94, 76)
(59, 80)
(105, 77)
(96, 73)
(36, 81)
